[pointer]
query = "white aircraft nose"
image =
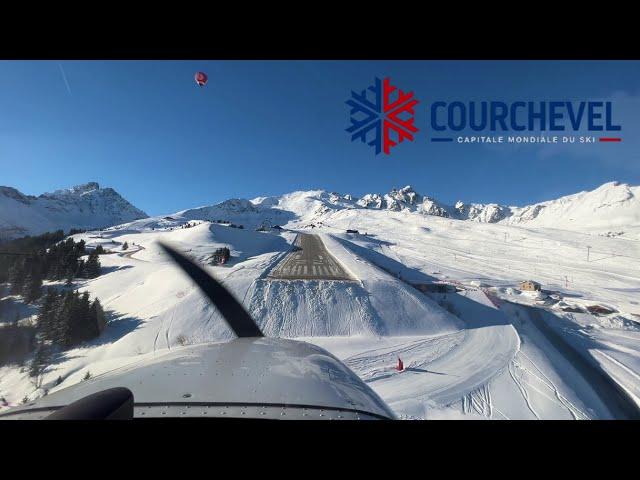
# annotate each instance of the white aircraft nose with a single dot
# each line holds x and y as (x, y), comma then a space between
(246, 377)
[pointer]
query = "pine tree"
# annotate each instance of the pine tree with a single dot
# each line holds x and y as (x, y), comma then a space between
(97, 313)
(69, 276)
(81, 269)
(99, 250)
(32, 288)
(61, 327)
(87, 325)
(125, 246)
(47, 315)
(92, 267)
(16, 277)
(41, 360)
(74, 319)
(54, 272)
(70, 263)
(78, 319)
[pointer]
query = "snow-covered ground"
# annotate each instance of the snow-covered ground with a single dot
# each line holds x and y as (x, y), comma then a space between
(471, 354)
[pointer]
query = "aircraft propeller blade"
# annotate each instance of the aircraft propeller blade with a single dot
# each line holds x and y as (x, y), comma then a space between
(231, 310)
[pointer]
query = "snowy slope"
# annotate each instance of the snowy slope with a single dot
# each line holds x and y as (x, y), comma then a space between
(611, 206)
(83, 206)
(469, 357)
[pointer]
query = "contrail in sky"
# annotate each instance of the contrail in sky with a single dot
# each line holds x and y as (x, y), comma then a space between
(64, 77)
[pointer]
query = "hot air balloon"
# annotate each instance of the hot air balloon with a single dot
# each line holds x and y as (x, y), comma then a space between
(201, 78)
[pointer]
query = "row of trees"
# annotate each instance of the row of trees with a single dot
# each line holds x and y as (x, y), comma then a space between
(69, 318)
(190, 225)
(228, 223)
(25, 245)
(58, 262)
(65, 320)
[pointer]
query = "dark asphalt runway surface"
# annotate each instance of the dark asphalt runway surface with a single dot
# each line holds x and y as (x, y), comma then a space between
(309, 260)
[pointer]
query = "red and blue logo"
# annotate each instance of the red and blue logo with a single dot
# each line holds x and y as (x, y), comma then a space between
(382, 116)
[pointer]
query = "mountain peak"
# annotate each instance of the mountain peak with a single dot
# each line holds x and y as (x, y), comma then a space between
(13, 193)
(85, 187)
(81, 206)
(612, 184)
(81, 189)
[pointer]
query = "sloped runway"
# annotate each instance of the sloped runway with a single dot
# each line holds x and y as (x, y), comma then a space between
(309, 260)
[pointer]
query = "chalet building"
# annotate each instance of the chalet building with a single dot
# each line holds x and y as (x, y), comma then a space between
(530, 286)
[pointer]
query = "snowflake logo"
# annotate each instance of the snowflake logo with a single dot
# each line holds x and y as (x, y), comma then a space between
(376, 116)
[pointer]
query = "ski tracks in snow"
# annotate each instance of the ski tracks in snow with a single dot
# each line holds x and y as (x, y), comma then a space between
(541, 377)
(479, 401)
(525, 394)
(442, 370)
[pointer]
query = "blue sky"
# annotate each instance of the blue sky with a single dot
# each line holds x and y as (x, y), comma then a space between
(267, 128)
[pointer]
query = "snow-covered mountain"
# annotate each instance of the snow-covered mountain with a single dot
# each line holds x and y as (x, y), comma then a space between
(613, 205)
(611, 209)
(405, 199)
(83, 206)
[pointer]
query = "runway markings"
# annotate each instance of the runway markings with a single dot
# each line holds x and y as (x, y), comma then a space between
(309, 260)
